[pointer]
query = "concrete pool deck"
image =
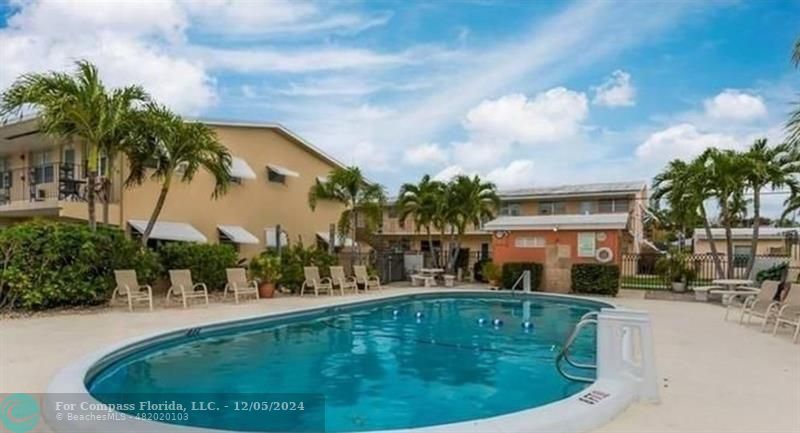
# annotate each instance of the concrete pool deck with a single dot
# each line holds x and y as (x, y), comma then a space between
(715, 376)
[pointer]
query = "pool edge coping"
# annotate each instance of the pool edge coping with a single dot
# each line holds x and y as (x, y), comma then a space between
(570, 414)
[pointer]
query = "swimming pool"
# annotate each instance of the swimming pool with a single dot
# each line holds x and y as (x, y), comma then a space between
(399, 363)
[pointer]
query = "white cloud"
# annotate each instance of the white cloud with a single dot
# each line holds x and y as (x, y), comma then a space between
(127, 41)
(733, 104)
(449, 172)
(617, 91)
(517, 174)
(278, 16)
(425, 154)
(549, 117)
(682, 141)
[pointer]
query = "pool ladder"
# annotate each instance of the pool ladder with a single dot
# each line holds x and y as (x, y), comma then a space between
(563, 355)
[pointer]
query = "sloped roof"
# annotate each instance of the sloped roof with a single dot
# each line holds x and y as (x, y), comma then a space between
(562, 222)
(602, 188)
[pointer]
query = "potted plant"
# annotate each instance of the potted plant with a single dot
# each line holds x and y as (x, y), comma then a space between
(675, 268)
(266, 269)
(492, 273)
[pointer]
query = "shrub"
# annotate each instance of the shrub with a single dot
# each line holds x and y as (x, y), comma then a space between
(491, 272)
(48, 264)
(294, 257)
(595, 279)
(207, 262)
(512, 272)
(774, 273)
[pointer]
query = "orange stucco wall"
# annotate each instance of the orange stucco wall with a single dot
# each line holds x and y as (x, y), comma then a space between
(504, 251)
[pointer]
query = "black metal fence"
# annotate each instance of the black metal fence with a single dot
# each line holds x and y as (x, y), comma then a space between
(639, 270)
(394, 266)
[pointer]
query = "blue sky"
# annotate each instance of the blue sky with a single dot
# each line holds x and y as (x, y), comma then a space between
(524, 93)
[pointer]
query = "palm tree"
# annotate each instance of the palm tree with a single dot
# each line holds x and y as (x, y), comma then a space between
(684, 189)
(79, 108)
(473, 202)
(166, 147)
(774, 167)
(421, 201)
(349, 187)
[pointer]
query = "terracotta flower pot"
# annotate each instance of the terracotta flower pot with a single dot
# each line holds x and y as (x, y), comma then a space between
(266, 290)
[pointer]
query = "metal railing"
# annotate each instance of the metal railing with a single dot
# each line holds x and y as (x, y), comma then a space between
(638, 271)
(51, 181)
(563, 355)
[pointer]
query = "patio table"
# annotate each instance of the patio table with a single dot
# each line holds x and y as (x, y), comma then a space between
(736, 287)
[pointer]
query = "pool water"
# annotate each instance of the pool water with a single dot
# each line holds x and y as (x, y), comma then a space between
(377, 366)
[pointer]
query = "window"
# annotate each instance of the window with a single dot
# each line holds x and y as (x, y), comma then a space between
(42, 168)
(741, 255)
(587, 207)
(484, 251)
(529, 242)
(614, 205)
(271, 240)
(586, 244)
(552, 208)
(274, 176)
(5, 174)
(510, 209)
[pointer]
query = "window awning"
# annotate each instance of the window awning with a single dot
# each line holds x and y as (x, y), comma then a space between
(238, 234)
(322, 179)
(170, 231)
(283, 171)
(240, 169)
(325, 236)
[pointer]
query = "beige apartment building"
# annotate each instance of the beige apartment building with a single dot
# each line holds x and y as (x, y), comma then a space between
(575, 221)
(273, 170)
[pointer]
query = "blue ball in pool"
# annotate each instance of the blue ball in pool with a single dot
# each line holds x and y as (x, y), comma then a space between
(481, 321)
(497, 323)
(419, 314)
(396, 313)
(527, 325)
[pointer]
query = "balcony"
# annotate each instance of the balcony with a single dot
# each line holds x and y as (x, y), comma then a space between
(52, 189)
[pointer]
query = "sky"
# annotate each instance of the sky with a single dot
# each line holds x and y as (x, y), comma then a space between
(523, 93)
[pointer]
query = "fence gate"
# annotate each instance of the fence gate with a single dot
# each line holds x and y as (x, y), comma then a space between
(639, 272)
(390, 266)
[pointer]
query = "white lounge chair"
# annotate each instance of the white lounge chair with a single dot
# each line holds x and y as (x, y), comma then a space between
(338, 278)
(761, 305)
(362, 277)
(239, 284)
(182, 284)
(128, 285)
(314, 281)
(789, 312)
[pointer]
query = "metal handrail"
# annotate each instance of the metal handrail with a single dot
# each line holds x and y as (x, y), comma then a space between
(520, 279)
(564, 353)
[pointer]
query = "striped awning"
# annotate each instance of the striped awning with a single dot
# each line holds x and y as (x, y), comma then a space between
(237, 234)
(240, 169)
(283, 171)
(170, 231)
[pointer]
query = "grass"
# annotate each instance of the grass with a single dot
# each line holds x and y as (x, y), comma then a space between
(653, 282)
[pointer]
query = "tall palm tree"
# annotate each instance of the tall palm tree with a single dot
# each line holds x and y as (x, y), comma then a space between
(359, 196)
(724, 179)
(420, 201)
(167, 148)
(775, 167)
(79, 108)
(473, 202)
(684, 189)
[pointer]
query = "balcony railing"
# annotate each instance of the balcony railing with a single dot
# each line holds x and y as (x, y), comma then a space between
(50, 182)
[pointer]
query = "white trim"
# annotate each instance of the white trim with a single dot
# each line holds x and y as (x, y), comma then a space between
(559, 222)
(170, 231)
(238, 234)
(587, 235)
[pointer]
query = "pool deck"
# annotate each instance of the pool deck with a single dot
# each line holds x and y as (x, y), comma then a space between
(715, 376)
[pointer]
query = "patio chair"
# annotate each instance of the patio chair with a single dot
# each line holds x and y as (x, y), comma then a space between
(761, 305)
(314, 281)
(182, 284)
(789, 312)
(362, 277)
(338, 278)
(239, 284)
(128, 285)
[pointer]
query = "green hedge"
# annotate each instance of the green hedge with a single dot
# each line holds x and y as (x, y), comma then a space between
(595, 279)
(206, 261)
(512, 272)
(294, 257)
(49, 264)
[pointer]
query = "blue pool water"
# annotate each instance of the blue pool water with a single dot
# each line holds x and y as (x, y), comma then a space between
(377, 366)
